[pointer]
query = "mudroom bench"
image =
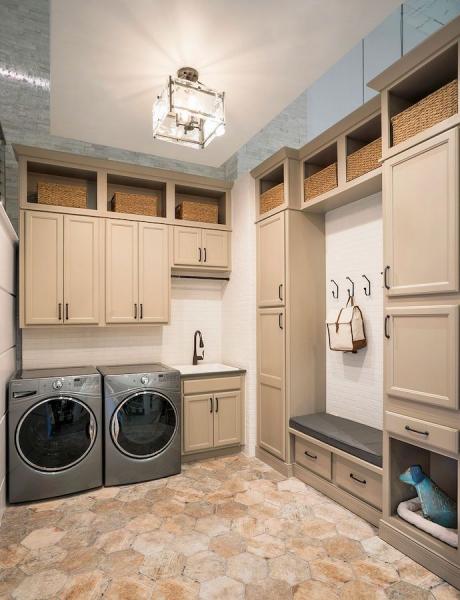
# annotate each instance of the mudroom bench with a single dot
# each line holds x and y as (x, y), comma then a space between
(342, 459)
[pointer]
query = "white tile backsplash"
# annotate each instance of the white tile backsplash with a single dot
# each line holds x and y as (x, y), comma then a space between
(354, 382)
(195, 304)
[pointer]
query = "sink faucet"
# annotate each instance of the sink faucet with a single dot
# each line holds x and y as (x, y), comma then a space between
(196, 358)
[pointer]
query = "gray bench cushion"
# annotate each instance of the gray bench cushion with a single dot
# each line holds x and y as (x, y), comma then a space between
(354, 438)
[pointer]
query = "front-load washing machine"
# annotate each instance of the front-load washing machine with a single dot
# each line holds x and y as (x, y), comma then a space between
(142, 423)
(54, 432)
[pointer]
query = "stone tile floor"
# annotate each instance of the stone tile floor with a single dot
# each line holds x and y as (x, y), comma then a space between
(225, 529)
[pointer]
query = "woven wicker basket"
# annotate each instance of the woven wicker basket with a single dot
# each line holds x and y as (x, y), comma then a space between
(272, 198)
(432, 109)
(61, 194)
(202, 210)
(321, 182)
(137, 204)
(364, 160)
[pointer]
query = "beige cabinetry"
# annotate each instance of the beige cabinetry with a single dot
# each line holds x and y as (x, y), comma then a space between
(83, 263)
(422, 218)
(212, 413)
(60, 268)
(422, 354)
(137, 272)
(271, 381)
(271, 261)
(206, 248)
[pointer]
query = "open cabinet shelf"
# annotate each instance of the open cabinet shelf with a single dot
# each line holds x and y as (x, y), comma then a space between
(133, 196)
(199, 206)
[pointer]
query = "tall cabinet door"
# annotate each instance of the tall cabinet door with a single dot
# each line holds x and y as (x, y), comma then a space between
(422, 218)
(271, 259)
(227, 418)
(187, 246)
(154, 273)
(271, 378)
(421, 354)
(43, 275)
(122, 302)
(216, 251)
(81, 269)
(198, 428)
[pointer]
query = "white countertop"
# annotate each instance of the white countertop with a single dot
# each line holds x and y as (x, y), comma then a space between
(204, 368)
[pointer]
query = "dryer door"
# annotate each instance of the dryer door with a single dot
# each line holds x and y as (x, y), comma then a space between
(144, 424)
(56, 434)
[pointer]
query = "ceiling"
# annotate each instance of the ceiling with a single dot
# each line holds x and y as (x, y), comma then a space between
(110, 58)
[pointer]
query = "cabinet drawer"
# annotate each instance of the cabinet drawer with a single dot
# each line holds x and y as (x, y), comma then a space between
(216, 384)
(416, 430)
(359, 481)
(313, 457)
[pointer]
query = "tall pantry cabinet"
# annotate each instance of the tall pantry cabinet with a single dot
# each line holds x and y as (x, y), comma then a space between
(290, 308)
(422, 294)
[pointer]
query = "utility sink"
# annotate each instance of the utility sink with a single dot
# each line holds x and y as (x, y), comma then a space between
(204, 368)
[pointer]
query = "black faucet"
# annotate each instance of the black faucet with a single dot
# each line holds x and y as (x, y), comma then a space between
(196, 358)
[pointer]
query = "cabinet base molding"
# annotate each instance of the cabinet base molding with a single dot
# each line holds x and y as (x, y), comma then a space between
(214, 453)
(273, 462)
(431, 560)
(360, 508)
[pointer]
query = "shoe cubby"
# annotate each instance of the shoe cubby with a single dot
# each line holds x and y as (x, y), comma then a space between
(54, 185)
(130, 195)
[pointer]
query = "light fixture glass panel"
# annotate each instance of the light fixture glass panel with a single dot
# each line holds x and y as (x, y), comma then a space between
(189, 113)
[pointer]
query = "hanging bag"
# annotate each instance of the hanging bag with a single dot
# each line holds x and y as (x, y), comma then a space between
(345, 329)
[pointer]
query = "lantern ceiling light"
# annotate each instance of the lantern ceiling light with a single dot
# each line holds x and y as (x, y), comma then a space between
(188, 112)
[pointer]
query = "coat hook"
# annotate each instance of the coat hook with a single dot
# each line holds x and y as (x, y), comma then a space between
(367, 288)
(352, 291)
(335, 293)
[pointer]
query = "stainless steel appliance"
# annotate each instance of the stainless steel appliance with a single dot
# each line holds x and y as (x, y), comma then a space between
(142, 422)
(54, 432)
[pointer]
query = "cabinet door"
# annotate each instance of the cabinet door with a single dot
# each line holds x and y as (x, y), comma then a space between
(154, 273)
(271, 261)
(43, 262)
(81, 269)
(216, 251)
(421, 218)
(421, 354)
(198, 423)
(271, 381)
(187, 246)
(121, 271)
(227, 418)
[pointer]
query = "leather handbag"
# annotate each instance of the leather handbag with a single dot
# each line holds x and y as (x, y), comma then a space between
(346, 331)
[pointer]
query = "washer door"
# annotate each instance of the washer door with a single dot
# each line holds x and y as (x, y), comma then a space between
(144, 424)
(56, 434)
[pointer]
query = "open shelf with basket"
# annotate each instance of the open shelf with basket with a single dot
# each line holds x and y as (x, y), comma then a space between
(136, 196)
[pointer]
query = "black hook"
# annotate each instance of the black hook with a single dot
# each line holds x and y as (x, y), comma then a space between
(352, 293)
(367, 288)
(335, 293)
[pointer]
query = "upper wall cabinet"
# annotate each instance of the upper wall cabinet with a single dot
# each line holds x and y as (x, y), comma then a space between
(271, 261)
(203, 248)
(421, 205)
(137, 272)
(60, 269)
(420, 92)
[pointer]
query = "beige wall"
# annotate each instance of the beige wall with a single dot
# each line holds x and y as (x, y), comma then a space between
(7, 333)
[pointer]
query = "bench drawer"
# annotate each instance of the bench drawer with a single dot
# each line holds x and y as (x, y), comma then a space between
(313, 457)
(359, 481)
(416, 430)
(215, 384)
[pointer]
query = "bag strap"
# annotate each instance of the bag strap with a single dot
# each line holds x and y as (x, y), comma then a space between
(351, 300)
(338, 320)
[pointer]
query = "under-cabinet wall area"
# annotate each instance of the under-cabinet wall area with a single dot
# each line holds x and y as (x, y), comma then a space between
(353, 237)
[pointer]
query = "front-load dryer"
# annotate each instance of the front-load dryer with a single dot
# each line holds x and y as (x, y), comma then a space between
(54, 432)
(142, 423)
